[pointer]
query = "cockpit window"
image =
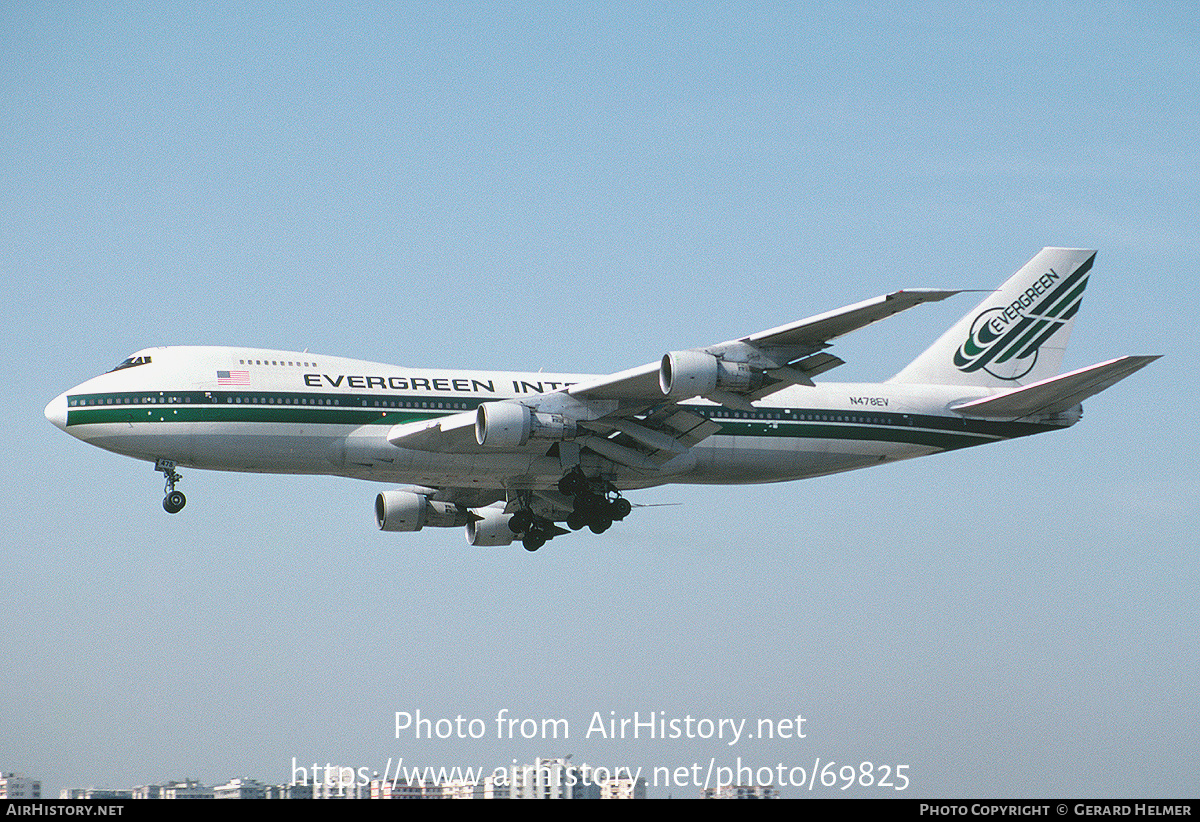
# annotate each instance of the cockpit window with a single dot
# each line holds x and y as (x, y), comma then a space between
(130, 362)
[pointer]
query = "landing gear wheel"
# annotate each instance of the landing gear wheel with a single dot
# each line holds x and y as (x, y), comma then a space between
(174, 501)
(590, 505)
(533, 543)
(520, 522)
(573, 483)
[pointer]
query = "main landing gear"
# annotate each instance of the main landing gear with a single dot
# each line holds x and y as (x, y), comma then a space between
(598, 504)
(537, 530)
(174, 501)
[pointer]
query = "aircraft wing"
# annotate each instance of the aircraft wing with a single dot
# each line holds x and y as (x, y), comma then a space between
(833, 324)
(789, 354)
(635, 417)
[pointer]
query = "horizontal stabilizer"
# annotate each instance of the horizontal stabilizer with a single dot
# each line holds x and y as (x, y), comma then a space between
(1056, 394)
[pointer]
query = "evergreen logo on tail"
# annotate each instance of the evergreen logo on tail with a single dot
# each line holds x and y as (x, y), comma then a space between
(1004, 340)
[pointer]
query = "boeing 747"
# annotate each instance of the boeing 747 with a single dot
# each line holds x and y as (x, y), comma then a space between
(517, 455)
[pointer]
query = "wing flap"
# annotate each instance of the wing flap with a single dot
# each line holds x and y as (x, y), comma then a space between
(689, 428)
(647, 437)
(650, 442)
(620, 454)
(800, 372)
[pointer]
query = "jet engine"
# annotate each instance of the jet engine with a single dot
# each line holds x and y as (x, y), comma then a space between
(511, 425)
(491, 528)
(685, 374)
(406, 511)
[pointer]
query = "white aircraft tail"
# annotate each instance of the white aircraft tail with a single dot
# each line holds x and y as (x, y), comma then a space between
(1018, 334)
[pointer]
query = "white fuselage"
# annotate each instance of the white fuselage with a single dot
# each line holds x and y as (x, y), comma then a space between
(242, 409)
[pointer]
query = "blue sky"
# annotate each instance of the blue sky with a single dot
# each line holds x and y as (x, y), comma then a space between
(580, 190)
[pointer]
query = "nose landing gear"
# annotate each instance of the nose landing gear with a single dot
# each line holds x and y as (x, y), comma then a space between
(174, 501)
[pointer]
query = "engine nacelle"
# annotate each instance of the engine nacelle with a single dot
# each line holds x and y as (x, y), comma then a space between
(406, 511)
(685, 374)
(511, 425)
(491, 528)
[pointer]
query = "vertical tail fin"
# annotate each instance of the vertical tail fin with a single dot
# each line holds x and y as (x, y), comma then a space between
(1018, 334)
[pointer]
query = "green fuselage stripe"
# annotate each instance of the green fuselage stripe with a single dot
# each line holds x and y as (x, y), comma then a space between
(356, 410)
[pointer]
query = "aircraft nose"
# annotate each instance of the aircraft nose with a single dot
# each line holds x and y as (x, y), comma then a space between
(56, 411)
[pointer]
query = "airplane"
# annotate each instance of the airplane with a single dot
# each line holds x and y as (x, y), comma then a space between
(512, 455)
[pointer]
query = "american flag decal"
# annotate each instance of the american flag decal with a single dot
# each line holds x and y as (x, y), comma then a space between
(233, 378)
